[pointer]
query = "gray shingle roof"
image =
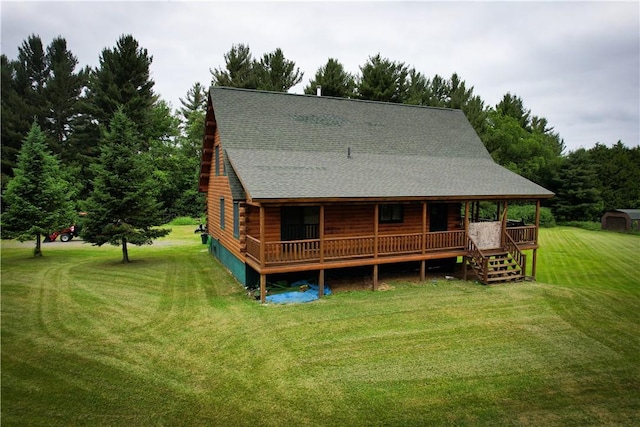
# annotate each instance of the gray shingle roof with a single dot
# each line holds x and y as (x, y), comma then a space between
(634, 214)
(295, 146)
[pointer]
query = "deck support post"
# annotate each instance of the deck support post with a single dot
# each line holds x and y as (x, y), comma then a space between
(375, 277)
(321, 284)
(263, 288)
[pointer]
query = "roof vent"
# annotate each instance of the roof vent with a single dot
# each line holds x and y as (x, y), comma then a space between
(348, 152)
(319, 90)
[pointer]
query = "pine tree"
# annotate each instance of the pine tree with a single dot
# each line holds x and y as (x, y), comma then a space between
(238, 71)
(335, 81)
(276, 73)
(196, 100)
(123, 80)
(122, 208)
(62, 94)
(23, 84)
(37, 198)
(578, 197)
(383, 80)
(15, 121)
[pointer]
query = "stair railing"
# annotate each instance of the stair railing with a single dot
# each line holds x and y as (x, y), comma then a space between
(515, 252)
(479, 259)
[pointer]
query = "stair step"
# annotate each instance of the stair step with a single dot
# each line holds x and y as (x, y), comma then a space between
(506, 273)
(503, 263)
(504, 279)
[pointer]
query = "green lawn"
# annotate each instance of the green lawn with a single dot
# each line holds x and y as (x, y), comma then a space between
(170, 339)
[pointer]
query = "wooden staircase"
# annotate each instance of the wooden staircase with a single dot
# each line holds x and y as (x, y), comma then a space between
(506, 264)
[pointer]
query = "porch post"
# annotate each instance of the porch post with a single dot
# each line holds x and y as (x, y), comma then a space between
(376, 211)
(262, 242)
(465, 259)
(505, 213)
(263, 277)
(537, 219)
(321, 235)
(423, 264)
(535, 250)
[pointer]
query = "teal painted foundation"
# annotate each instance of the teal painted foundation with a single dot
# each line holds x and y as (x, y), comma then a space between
(243, 273)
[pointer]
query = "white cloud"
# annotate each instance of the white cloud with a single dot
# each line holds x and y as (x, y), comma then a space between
(574, 63)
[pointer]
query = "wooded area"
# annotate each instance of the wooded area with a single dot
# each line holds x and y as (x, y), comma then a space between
(75, 105)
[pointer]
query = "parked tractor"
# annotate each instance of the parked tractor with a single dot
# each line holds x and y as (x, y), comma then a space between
(65, 235)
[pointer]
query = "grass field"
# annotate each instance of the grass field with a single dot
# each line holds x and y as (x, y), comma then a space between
(170, 339)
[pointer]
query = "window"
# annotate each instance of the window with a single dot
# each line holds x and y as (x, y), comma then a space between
(391, 214)
(236, 220)
(217, 159)
(299, 222)
(221, 213)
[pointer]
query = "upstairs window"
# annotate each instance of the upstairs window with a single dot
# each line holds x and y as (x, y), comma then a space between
(389, 214)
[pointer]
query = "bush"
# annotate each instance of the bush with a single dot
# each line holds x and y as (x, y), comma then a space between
(528, 214)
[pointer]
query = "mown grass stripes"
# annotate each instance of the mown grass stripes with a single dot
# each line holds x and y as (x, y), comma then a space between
(171, 339)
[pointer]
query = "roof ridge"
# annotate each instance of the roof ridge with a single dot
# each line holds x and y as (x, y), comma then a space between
(336, 98)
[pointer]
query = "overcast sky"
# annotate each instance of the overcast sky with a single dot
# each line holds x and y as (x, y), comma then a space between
(575, 63)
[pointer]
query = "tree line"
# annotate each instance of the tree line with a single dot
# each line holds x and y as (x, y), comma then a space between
(586, 182)
(75, 111)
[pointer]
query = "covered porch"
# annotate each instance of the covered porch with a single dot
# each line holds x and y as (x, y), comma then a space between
(327, 251)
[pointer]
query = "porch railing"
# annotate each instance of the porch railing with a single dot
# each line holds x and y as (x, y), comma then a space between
(523, 235)
(336, 248)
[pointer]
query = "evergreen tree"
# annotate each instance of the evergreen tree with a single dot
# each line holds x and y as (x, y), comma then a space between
(122, 208)
(577, 195)
(238, 71)
(276, 73)
(618, 171)
(37, 198)
(196, 100)
(383, 80)
(63, 89)
(23, 84)
(31, 75)
(513, 106)
(123, 80)
(15, 121)
(418, 92)
(335, 81)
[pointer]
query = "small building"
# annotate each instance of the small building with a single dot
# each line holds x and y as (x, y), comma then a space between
(309, 183)
(621, 220)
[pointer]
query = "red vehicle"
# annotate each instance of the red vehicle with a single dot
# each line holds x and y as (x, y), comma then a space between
(65, 235)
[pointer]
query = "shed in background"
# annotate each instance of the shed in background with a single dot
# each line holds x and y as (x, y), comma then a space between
(621, 220)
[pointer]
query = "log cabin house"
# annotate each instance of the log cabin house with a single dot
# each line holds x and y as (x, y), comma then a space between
(310, 183)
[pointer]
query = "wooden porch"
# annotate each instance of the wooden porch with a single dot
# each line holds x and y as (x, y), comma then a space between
(375, 247)
(268, 257)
